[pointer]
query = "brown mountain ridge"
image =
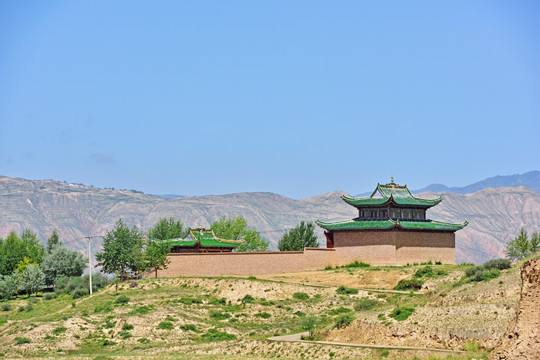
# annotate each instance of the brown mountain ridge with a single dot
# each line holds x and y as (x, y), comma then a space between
(495, 215)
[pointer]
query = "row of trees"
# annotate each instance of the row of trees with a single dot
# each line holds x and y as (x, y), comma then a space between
(522, 246)
(26, 265)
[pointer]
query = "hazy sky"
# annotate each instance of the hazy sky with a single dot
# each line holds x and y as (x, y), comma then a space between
(293, 97)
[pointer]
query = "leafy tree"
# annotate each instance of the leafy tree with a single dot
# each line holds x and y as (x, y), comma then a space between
(9, 285)
(300, 237)
(238, 229)
(23, 264)
(14, 248)
(62, 261)
(52, 241)
(122, 250)
(166, 229)
(521, 247)
(309, 324)
(32, 279)
(156, 254)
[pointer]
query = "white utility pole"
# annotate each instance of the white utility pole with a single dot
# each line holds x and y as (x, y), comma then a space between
(90, 261)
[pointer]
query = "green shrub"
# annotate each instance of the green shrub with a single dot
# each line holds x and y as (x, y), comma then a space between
(300, 314)
(365, 304)
(6, 307)
(49, 296)
(109, 324)
(59, 330)
(343, 321)
(248, 299)
(429, 272)
(412, 284)
(125, 334)
(21, 309)
(401, 313)
(165, 325)
(385, 353)
(29, 308)
(142, 310)
(343, 290)
(107, 342)
(263, 315)
(471, 346)
(79, 293)
(300, 296)
(122, 299)
(222, 301)
(127, 327)
(357, 264)
(170, 318)
(22, 340)
(218, 315)
(143, 340)
(339, 310)
(188, 301)
(188, 327)
(104, 308)
(501, 264)
(213, 335)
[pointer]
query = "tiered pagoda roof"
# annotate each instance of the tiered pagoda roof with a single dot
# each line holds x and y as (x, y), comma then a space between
(205, 238)
(391, 206)
(390, 194)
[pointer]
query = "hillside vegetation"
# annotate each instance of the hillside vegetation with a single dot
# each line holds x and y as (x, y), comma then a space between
(232, 318)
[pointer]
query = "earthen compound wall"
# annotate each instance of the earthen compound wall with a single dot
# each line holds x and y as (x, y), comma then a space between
(373, 247)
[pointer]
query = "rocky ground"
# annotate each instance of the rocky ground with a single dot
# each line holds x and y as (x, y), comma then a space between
(205, 318)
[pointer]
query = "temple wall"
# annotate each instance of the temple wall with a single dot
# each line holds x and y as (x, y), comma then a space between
(391, 247)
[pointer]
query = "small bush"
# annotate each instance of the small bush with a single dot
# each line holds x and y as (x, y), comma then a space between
(188, 327)
(385, 353)
(143, 310)
(429, 272)
(401, 313)
(263, 315)
(122, 299)
(213, 335)
(165, 325)
(343, 321)
(248, 299)
(104, 308)
(412, 284)
(300, 314)
(365, 304)
(22, 340)
(21, 309)
(49, 296)
(59, 330)
(127, 327)
(339, 310)
(471, 346)
(107, 342)
(218, 315)
(143, 340)
(6, 307)
(29, 308)
(343, 290)
(189, 301)
(125, 334)
(109, 324)
(300, 296)
(251, 277)
(501, 264)
(357, 264)
(79, 293)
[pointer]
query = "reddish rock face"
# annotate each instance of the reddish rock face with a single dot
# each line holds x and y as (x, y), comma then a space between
(522, 339)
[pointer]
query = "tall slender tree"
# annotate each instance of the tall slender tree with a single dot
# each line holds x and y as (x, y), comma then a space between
(302, 236)
(52, 241)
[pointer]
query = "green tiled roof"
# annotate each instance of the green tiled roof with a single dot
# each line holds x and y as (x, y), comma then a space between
(388, 224)
(390, 193)
(206, 238)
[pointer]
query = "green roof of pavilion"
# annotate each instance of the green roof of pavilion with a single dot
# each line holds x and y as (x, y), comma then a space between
(205, 238)
(390, 224)
(390, 193)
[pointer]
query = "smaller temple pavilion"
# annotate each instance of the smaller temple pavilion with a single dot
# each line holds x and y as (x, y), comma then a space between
(203, 241)
(392, 228)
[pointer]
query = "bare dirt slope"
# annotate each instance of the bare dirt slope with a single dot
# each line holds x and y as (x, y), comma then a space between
(522, 340)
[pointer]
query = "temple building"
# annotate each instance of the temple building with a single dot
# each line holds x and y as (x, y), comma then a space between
(392, 228)
(203, 241)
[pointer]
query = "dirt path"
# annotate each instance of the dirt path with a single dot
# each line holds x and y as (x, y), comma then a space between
(298, 338)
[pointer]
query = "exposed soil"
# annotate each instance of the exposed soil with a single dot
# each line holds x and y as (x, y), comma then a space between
(522, 340)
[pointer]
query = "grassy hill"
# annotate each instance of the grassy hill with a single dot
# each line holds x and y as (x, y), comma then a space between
(232, 318)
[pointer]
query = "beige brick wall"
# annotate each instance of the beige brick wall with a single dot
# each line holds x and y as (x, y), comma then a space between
(393, 247)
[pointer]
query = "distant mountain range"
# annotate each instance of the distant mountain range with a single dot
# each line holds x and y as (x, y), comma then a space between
(495, 215)
(530, 179)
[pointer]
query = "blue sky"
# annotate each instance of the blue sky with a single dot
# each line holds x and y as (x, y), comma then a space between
(297, 98)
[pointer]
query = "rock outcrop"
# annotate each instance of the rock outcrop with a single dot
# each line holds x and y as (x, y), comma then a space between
(522, 339)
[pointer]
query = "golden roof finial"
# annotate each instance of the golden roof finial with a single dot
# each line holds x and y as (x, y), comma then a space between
(392, 180)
